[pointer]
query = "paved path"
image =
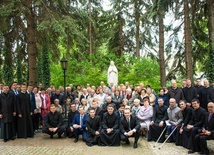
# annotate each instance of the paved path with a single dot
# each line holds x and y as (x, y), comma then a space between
(41, 144)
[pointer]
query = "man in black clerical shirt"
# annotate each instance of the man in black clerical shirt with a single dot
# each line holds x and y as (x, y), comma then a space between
(157, 123)
(71, 115)
(7, 111)
(192, 127)
(129, 127)
(110, 132)
(54, 123)
(93, 124)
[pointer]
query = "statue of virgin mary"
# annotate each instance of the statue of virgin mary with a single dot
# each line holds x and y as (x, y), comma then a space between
(112, 75)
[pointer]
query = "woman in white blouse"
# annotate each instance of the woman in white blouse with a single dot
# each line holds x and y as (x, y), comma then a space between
(37, 111)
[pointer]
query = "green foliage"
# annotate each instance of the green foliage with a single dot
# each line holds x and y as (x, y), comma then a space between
(143, 70)
(45, 63)
(19, 72)
(39, 68)
(8, 74)
(210, 66)
(94, 69)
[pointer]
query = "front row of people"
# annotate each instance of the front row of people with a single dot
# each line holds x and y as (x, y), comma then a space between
(107, 132)
(191, 126)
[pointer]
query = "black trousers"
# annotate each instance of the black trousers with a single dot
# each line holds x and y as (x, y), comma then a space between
(201, 142)
(191, 142)
(136, 136)
(59, 131)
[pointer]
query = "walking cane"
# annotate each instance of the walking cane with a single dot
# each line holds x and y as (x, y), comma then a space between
(159, 136)
(168, 137)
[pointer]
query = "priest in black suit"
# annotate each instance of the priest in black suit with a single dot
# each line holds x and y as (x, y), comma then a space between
(190, 131)
(93, 125)
(129, 127)
(207, 132)
(110, 132)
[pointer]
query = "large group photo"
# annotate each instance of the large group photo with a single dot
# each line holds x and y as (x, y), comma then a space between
(110, 115)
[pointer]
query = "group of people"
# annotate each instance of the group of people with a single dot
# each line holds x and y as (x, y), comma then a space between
(107, 115)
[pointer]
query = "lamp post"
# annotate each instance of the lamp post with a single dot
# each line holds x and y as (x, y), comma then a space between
(64, 65)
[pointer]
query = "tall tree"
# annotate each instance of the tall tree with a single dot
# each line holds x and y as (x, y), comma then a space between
(137, 25)
(188, 41)
(210, 69)
(31, 39)
(161, 51)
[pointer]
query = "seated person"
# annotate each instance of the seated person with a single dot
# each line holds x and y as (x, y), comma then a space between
(157, 123)
(120, 111)
(54, 123)
(175, 119)
(191, 130)
(187, 116)
(110, 132)
(79, 124)
(207, 132)
(93, 124)
(57, 105)
(145, 114)
(129, 127)
(107, 102)
(98, 110)
(71, 114)
(136, 107)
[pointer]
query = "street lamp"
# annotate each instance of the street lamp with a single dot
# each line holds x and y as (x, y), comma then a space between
(64, 65)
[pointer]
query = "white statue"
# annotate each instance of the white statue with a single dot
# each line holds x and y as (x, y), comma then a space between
(112, 74)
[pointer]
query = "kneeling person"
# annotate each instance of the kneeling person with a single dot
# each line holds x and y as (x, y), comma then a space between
(54, 123)
(110, 133)
(129, 127)
(79, 124)
(93, 128)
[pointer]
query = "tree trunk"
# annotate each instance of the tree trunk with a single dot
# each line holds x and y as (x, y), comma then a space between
(188, 45)
(137, 33)
(31, 39)
(211, 39)
(90, 29)
(161, 52)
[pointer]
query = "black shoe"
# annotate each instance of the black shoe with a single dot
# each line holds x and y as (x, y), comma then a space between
(191, 151)
(76, 140)
(102, 144)
(127, 142)
(89, 144)
(59, 136)
(51, 136)
(135, 145)
(13, 138)
(5, 140)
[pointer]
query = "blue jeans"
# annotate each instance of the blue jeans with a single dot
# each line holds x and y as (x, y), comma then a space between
(169, 130)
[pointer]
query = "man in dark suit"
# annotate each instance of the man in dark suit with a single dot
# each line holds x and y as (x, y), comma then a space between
(190, 131)
(129, 127)
(98, 110)
(93, 124)
(79, 124)
(207, 132)
(120, 112)
(54, 123)
(58, 96)
(110, 132)
(7, 111)
(71, 114)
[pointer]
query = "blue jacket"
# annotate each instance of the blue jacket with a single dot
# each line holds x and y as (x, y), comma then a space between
(76, 120)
